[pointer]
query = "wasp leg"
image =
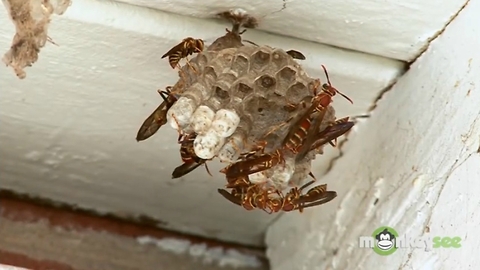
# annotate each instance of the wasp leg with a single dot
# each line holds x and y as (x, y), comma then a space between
(208, 171)
(181, 72)
(190, 65)
(275, 128)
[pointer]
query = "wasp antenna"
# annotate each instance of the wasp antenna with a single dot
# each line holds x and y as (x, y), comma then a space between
(330, 84)
(326, 75)
(251, 42)
(306, 185)
(268, 212)
(208, 171)
(343, 95)
(164, 95)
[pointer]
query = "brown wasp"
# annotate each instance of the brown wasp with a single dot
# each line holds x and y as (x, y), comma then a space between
(159, 116)
(253, 165)
(250, 157)
(258, 148)
(294, 200)
(249, 196)
(238, 19)
(190, 160)
(320, 101)
(241, 182)
(297, 134)
(187, 47)
(299, 139)
(253, 197)
(328, 89)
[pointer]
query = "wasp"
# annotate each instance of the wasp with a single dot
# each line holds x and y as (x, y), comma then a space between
(297, 134)
(294, 200)
(159, 116)
(190, 160)
(241, 182)
(249, 196)
(320, 101)
(247, 159)
(187, 47)
(254, 165)
(329, 89)
(238, 19)
(258, 148)
(247, 200)
(301, 139)
(252, 197)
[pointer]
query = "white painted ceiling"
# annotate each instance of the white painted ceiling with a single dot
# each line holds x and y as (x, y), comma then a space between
(68, 130)
(389, 28)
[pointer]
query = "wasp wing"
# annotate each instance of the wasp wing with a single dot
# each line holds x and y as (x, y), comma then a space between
(311, 136)
(332, 132)
(185, 168)
(227, 195)
(153, 122)
(296, 55)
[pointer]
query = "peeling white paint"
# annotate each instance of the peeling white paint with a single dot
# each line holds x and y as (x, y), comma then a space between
(220, 256)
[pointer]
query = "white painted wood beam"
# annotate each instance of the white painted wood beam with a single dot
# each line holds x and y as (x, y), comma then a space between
(414, 165)
(394, 29)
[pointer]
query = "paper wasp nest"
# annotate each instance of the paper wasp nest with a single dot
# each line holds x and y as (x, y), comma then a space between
(235, 96)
